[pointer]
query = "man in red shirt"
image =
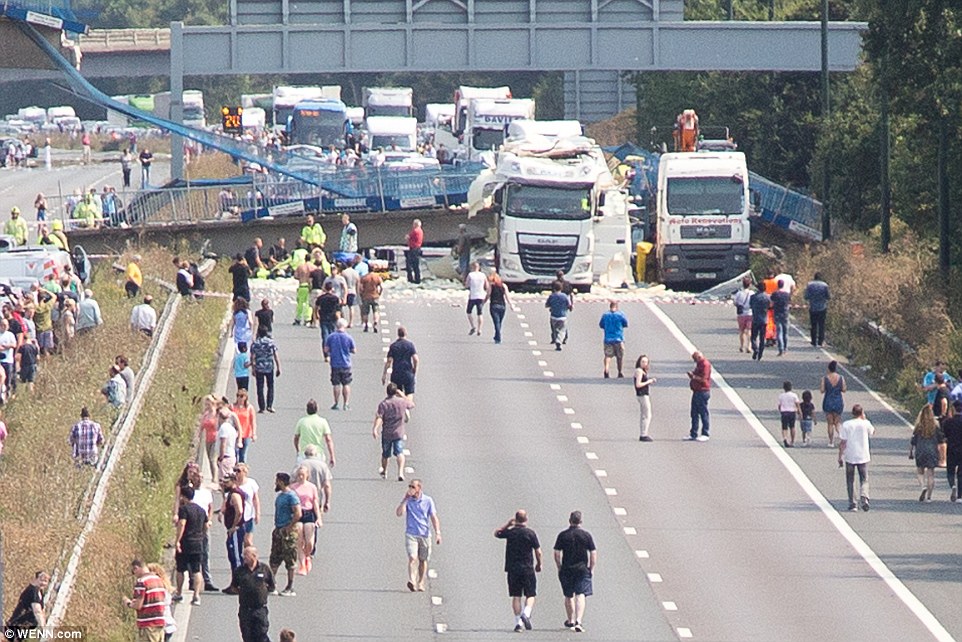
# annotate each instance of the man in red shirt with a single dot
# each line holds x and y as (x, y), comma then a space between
(699, 380)
(412, 257)
(149, 599)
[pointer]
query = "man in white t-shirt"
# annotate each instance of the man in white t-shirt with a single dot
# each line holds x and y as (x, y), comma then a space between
(788, 408)
(8, 346)
(853, 451)
(477, 285)
(788, 283)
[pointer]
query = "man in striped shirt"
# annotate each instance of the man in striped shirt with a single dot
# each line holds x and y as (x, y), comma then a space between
(149, 599)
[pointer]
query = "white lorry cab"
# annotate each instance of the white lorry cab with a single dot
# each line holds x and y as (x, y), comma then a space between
(703, 206)
(392, 132)
(488, 120)
(388, 101)
(193, 108)
(23, 267)
(463, 96)
(557, 208)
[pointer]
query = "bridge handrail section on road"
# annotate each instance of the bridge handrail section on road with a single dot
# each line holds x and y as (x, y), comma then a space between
(108, 40)
(793, 211)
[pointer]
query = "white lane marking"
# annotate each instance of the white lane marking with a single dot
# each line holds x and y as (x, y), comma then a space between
(562, 397)
(630, 530)
(591, 455)
(928, 620)
(610, 492)
(408, 470)
(440, 627)
(397, 323)
(582, 440)
(407, 453)
(529, 334)
(385, 340)
(569, 411)
(555, 386)
(433, 574)
(385, 349)
(669, 606)
(642, 555)
(684, 633)
(576, 425)
(600, 472)
(436, 600)
(654, 578)
(520, 316)
(542, 363)
(524, 325)
(532, 343)
(618, 510)
(548, 373)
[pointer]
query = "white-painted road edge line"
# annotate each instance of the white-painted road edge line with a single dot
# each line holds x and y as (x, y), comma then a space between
(918, 609)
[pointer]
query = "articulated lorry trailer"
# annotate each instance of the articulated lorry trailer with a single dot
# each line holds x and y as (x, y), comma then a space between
(557, 207)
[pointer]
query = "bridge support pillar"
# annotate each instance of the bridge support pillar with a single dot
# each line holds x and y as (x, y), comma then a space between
(176, 97)
(591, 96)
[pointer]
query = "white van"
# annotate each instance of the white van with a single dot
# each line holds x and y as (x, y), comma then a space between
(22, 267)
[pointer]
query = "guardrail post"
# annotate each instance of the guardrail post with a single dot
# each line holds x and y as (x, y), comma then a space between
(380, 190)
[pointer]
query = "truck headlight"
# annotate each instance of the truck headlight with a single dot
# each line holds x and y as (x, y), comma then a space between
(673, 258)
(582, 266)
(740, 258)
(510, 264)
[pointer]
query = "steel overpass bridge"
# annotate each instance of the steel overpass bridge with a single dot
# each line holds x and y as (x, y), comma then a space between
(591, 41)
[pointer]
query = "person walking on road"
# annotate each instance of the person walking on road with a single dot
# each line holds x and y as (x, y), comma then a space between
(146, 158)
(853, 451)
(338, 347)
(420, 515)
(328, 306)
(253, 582)
(781, 303)
(477, 285)
(312, 429)
(412, 256)
(558, 304)
(498, 302)
(699, 380)
(369, 289)
(522, 560)
(126, 163)
(240, 273)
(789, 408)
(952, 431)
(743, 313)
(924, 448)
(402, 360)
(191, 527)
(817, 294)
(287, 515)
(575, 556)
(149, 600)
(832, 387)
(760, 304)
(392, 413)
(267, 366)
(232, 512)
(309, 496)
(614, 322)
(643, 393)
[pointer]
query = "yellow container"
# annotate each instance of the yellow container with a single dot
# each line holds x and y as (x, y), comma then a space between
(642, 250)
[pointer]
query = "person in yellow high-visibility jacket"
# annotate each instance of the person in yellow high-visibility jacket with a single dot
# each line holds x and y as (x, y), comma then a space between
(16, 227)
(312, 234)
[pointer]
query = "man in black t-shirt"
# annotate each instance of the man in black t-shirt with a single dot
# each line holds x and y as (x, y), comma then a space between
(575, 557)
(240, 273)
(522, 559)
(328, 307)
(402, 360)
(252, 583)
(191, 521)
(28, 613)
(265, 316)
(952, 428)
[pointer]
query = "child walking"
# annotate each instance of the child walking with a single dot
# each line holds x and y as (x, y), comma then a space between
(242, 367)
(808, 422)
(789, 409)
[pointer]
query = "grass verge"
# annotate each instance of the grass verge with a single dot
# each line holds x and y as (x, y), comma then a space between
(136, 518)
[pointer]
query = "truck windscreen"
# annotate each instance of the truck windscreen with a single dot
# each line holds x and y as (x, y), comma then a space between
(389, 110)
(529, 201)
(385, 141)
(485, 139)
(701, 195)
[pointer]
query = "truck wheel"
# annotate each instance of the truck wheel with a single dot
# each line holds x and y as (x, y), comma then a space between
(583, 289)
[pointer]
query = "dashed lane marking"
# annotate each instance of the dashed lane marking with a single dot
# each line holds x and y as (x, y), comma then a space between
(576, 425)
(630, 530)
(654, 578)
(542, 363)
(548, 373)
(601, 473)
(433, 574)
(582, 440)
(670, 606)
(529, 334)
(684, 633)
(562, 397)
(569, 411)
(619, 511)
(436, 600)
(532, 343)
(610, 492)
(591, 455)
(642, 555)
(536, 353)
(555, 386)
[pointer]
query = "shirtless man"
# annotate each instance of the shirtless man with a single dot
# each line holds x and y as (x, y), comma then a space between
(303, 276)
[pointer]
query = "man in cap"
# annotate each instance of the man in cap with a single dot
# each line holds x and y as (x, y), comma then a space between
(16, 227)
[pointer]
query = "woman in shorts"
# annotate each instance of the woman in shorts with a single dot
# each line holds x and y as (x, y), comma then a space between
(743, 312)
(308, 495)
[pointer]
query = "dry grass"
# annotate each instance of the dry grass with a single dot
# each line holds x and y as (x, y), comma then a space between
(136, 520)
(39, 519)
(618, 129)
(212, 165)
(897, 291)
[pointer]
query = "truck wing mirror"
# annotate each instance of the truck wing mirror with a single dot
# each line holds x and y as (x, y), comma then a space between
(498, 197)
(756, 199)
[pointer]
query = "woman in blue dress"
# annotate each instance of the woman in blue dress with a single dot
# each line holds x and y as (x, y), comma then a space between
(832, 387)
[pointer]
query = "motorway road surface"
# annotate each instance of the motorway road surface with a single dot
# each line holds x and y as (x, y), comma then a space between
(19, 187)
(734, 539)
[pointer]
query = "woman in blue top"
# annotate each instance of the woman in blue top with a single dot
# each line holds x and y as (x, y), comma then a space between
(241, 323)
(832, 387)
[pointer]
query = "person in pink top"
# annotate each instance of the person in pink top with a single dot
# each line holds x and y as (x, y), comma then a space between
(307, 531)
(699, 380)
(3, 434)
